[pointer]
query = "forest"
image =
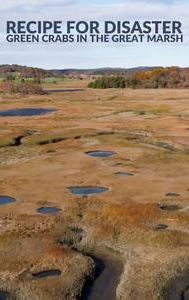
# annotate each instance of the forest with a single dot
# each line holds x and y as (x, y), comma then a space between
(171, 77)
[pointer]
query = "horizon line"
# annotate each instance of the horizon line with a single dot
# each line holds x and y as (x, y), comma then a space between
(94, 68)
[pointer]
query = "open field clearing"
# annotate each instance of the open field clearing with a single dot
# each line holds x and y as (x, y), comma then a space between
(99, 194)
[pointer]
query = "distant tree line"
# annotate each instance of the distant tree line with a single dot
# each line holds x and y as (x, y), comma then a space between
(12, 86)
(108, 82)
(23, 87)
(22, 80)
(172, 77)
(23, 71)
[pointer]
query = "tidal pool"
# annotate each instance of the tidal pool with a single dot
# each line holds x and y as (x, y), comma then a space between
(47, 273)
(123, 174)
(100, 153)
(65, 90)
(172, 195)
(170, 207)
(87, 190)
(4, 295)
(25, 112)
(161, 226)
(6, 200)
(178, 286)
(48, 210)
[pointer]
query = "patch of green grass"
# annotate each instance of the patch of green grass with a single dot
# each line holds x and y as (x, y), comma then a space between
(158, 110)
(5, 142)
(154, 111)
(53, 79)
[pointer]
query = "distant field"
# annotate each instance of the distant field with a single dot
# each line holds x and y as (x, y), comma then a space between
(47, 80)
(54, 80)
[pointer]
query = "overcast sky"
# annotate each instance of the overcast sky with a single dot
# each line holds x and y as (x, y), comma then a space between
(95, 55)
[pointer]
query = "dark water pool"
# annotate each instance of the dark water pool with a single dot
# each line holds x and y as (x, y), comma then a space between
(48, 210)
(178, 286)
(185, 294)
(6, 200)
(47, 273)
(25, 112)
(4, 295)
(171, 207)
(100, 153)
(87, 190)
(123, 174)
(172, 195)
(161, 226)
(65, 91)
